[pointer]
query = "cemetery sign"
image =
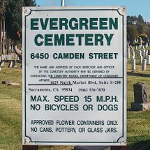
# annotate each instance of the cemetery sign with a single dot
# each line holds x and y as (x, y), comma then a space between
(74, 76)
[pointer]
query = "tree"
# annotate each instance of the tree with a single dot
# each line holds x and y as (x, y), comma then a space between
(13, 18)
(140, 19)
(3, 4)
(132, 33)
(148, 33)
(136, 26)
(29, 3)
(141, 28)
(131, 20)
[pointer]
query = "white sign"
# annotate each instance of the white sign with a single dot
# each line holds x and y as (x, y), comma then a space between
(74, 76)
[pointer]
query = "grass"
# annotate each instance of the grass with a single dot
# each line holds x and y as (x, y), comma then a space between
(10, 110)
(138, 123)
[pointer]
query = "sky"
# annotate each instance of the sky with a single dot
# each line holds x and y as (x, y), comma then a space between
(134, 7)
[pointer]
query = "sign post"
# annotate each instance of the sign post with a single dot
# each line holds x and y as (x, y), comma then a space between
(62, 3)
(74, 76)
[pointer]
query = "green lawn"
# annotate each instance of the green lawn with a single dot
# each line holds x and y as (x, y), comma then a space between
(10, 110)
(138, 123)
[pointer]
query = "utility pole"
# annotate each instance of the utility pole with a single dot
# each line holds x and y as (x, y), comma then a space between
(62, 3)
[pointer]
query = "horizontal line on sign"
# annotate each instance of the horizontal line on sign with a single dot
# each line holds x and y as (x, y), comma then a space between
(85, 78)
(50, 84)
